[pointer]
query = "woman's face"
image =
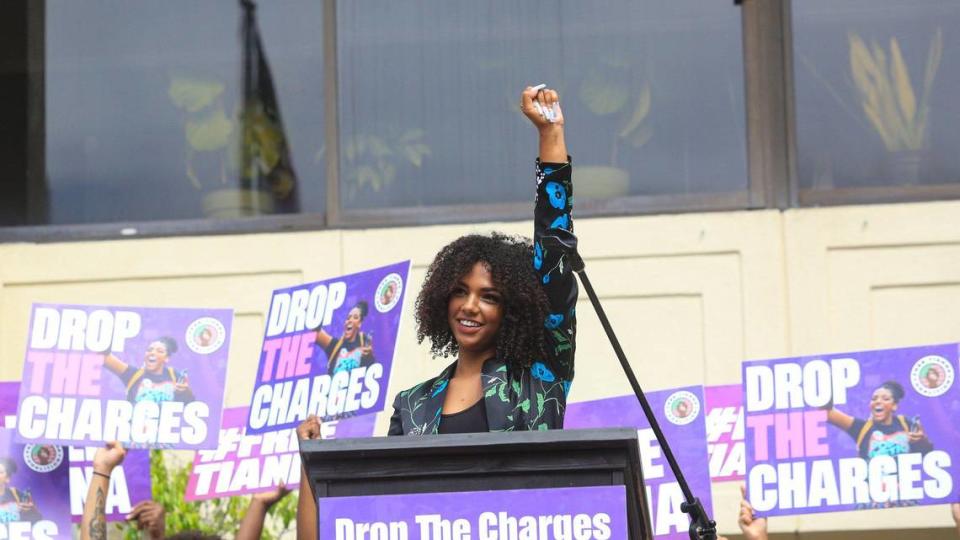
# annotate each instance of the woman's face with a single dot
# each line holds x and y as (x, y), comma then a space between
(474, 312)
(352, 325)
(882, 406)
(933, 377)
(206, 336)
(388, 294)
(156, 357)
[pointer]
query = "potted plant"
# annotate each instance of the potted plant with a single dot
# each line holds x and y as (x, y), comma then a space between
(890, 103)
(212, 160)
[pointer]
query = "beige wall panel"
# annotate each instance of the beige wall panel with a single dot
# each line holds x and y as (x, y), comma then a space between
(868, 278)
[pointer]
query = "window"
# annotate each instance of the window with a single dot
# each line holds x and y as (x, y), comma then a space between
(144, 111)
(429, 94)
(876, 106)
(161, 118)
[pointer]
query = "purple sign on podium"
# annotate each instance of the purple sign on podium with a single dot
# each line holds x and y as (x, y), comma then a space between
(561, 513)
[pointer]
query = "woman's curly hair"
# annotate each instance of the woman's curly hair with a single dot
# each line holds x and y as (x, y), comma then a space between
(520, 340)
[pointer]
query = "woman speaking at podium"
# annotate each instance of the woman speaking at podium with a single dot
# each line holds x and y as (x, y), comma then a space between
(505, 309)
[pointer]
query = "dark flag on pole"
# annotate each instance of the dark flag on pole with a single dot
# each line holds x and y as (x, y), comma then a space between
(265, 155)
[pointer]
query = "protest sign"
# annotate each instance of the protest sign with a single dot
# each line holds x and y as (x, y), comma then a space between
(725, 432)
(243, 463)
(848, 431)
(34, 490)
(598, 512)
(129, 483)
(8, 403)
(328, 348)
(680, 414)
(147, 377)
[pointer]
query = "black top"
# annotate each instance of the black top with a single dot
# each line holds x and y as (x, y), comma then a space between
(143, 385)
(875, 439)
(472, 420)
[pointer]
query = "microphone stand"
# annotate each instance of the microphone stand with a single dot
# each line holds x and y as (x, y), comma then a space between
(701, 526)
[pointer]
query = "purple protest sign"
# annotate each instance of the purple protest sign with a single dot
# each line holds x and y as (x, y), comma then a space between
(850, 431)
(243, 463)
(562, 513)
(724, 421)
(34, 490)
(328, 348)
(680, 414)
(129, 483)
(147, 377)
(8, 403)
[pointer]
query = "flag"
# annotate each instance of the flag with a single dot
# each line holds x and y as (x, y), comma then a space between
(265, 154)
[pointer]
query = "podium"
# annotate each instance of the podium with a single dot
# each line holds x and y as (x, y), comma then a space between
(482, 462)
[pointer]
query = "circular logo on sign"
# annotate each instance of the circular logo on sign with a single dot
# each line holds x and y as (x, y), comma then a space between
(932, 375)
(42, 458)
(681, 408)
(205, 335)
(388, 292)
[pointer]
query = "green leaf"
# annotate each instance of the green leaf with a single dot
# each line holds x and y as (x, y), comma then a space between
(516, 387)
(502, 391)
(602, 96)
(525, 405)
(212, 132)
(539, 403)
(490, 391)
(192, 95)
(542, 426)
(640, 111)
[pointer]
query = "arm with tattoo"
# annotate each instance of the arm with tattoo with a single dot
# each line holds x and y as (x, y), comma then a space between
(94, 524)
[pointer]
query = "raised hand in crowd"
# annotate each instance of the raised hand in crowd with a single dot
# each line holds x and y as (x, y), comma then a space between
(306, 506)
(251, 526)
(150, 517)
(94, 523)
(753, 528)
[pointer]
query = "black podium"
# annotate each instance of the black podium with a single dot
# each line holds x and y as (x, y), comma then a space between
(482, 462)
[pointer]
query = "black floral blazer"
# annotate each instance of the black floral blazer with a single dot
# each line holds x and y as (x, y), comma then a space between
(534, 398)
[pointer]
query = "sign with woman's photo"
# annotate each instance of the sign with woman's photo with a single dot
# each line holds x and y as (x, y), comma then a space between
(851, 431)
(147, 377)
(680, 413)
(328, 348)
(34, 490)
